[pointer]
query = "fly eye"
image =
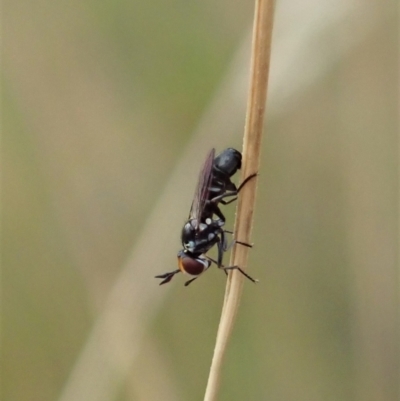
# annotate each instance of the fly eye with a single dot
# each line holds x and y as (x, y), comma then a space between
(190, 265)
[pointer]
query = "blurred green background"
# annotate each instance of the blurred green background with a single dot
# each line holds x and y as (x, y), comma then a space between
(109, 109)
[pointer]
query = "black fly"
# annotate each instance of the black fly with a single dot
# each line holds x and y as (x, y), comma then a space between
(202, 231)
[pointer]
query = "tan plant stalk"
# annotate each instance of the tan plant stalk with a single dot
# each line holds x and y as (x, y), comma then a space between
(260, 61)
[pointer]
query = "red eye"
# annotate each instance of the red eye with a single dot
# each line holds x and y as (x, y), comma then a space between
(191, 266)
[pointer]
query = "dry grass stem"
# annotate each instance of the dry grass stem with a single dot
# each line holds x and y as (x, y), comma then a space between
(91, 379)
(260, 61)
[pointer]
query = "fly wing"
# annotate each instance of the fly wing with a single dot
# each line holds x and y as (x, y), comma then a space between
(202, 189)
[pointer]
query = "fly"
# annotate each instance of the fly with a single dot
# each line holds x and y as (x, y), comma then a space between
(204, 227)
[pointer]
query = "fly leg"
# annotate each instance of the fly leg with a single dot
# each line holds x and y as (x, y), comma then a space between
(227, 194)
(246, 180)
(236, 242)
(240, 243)
(241, 271)
(189, 281)
(167, 276)
(218, 212)
(214, 261)
(232, 192)
(221, 249)
(224, 247)
(225, 268)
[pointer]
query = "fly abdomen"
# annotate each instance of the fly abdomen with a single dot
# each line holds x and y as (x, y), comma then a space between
(192, 265)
